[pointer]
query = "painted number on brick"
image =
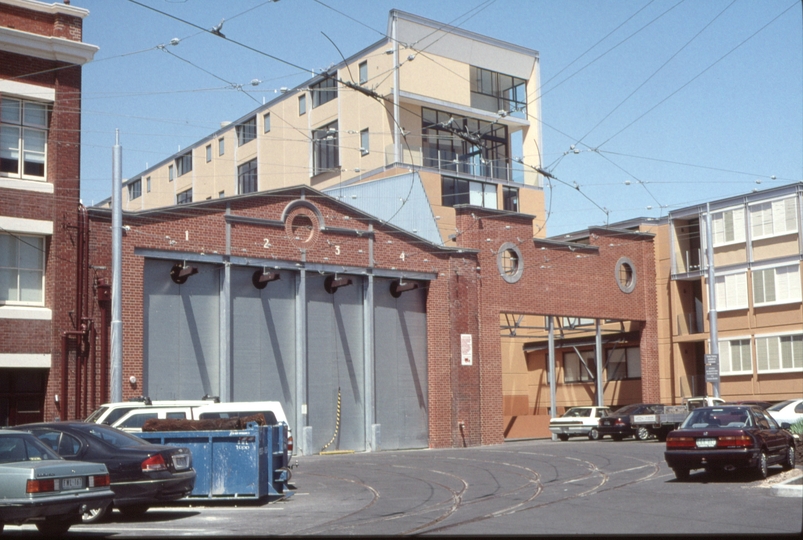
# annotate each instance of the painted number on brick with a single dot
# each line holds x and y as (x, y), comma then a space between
(337, 250)
(266, 245)
(402, 256)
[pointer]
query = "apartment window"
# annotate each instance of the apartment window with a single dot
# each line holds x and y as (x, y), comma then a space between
(184, 163)
(575, 370)
(221, 146)
(302, 104)
(492, 91)
(135, 189)
(364, 72)
(465, 145)
(23, 138)
(773, 218)
(778, 285)
(727, 227)
(365, 142)
(184, 197)
(221, 194)
(247, 177)
(266, 122)
(459, 191)
(779, 353)
(324, 91)
(22, 269)
(624, 364)
(324, 148)
(734, 357)
(170, 173)
(731, 291)
(148, 184)
(510, 199)
(208, 153)
(247, 131)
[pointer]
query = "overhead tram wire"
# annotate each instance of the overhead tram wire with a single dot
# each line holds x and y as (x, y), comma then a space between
(654, 73)
(721, 58)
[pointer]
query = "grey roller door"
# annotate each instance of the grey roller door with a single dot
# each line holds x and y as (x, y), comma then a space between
(401, 367)
(180, 332)
(335, 360)
(263, 340)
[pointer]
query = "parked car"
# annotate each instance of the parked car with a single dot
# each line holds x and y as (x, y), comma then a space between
(727, 438)
(578, 421)
(763, 404)
(36, 485)
(142, 474)
(619, 426)
(110, 413)
(789, 411)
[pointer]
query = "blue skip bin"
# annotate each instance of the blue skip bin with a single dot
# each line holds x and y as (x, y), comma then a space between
(241, 464)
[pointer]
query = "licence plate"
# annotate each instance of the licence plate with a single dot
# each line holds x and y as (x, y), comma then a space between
(706, 443)
(606, 423)
(72, 483)
(181, 461)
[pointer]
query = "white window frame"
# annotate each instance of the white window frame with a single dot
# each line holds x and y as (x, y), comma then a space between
(719, 230)
(27, 240)
(785, 286)
(23, 126)
(731, 291)
(726, 356)
(774, 218)
(791, 355)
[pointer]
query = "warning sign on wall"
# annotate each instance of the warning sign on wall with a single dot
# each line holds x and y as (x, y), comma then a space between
(466, 353)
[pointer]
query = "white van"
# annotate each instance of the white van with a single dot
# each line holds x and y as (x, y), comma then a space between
(110, 413)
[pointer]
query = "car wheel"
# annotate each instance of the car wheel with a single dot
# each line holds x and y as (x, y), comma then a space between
(681, 474)
(617, 438)
(594, 434)
(762, 465)
(53, 527)
(789, 461)
(136, 510)
(642, 433)
(93, 515)
(563, 437)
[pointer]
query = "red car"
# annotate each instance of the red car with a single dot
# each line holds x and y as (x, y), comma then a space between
(729, 437)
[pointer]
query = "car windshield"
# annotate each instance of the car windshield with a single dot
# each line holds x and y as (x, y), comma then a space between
(97, 414)
(628, 409)
(114, 437)
(781, 405)
(577, 411)
(718, 417)
(15, 448)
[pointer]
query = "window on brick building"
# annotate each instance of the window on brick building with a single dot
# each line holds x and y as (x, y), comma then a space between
(23, 138)
(22, 269)
(247, 177)
(184, 163)
(325, 148)
(624, 364)
(247, 131)
(578, 369)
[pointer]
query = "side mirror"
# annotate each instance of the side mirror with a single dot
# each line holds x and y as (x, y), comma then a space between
(786, 425)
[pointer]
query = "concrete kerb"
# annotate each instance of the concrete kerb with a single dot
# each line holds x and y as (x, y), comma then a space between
(789, 488)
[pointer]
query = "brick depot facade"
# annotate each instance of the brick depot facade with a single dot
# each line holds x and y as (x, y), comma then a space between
(307, 236)
(41, 54)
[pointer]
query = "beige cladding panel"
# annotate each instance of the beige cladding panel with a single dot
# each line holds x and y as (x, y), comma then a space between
(437, 78)
(486, 55)
(778, 318)
(730, 254)
(770, 248)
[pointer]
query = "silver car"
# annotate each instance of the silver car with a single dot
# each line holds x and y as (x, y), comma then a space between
(37, 486)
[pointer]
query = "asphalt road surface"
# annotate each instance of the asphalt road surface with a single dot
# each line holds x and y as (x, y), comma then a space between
(538, 487)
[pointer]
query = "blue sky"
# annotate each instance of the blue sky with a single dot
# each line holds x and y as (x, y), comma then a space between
(647, 106)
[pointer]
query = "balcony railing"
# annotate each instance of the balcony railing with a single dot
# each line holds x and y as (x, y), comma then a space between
(690, 323)
(448, 162)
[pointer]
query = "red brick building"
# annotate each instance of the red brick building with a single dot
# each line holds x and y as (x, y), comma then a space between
(41, 305)
(371, 337)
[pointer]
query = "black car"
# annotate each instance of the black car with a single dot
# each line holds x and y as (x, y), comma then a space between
(618, 425)
(729, 438)
(142, 473)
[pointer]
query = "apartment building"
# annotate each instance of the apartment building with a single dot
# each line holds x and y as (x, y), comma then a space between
(757, 259)
(431, 117)
(42, 320)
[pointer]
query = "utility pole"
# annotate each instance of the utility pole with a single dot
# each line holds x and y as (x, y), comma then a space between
(711, 360)
(117, 260)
